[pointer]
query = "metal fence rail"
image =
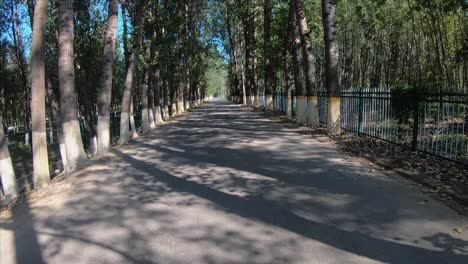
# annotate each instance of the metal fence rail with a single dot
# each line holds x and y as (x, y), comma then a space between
(435, 123)
(280, 102)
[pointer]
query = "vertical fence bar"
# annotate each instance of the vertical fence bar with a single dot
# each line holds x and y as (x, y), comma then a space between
(361, 112)
(414, 139)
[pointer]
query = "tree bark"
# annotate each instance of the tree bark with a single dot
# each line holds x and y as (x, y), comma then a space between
(298, 68)
(156, 83)
(269, 73)
(130, 77)
(53, 98)
(41, 175)
(145, 121)
(22, 65)
(10, 188)
(247, 50)
(309, 66)
(254, 55)
(105, 81)
(68, 98)
(332, 67)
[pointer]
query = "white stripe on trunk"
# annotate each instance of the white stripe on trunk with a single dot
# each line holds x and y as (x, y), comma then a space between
(8, 179)
(301, 110)
(145, 121)
(312, 115)
(103, 132)
(124, 128)
(73, 142)
(334, 118)
(269, 102)
(132, 124)
(151, 118)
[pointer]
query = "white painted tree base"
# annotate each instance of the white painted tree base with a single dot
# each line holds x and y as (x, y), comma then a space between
(269, 102)
(93, 146)
(124, 128)
(173, 109)
(73, 143)
(180, 108)
(334, 116)
(132, 125)
(10, 188)
(103, 134)
(256, 101)
(41, 174)
(151, 118)
(63, 155)
(166, 113)
(158, 117)
(145, 120)
(312, 112)
(26, 138)
(301, 110)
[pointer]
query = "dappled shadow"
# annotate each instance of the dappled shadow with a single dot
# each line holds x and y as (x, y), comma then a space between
(222, 185)
(19, 238)
(256, 208)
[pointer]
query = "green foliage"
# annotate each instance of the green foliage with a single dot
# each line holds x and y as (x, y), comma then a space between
(216, 74)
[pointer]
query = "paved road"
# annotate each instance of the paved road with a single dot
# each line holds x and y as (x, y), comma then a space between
(224, 185)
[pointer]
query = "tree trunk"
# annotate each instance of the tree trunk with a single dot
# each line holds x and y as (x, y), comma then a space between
(22, 65)
(332, 74)
(68, 99)
(132, 121)
(105, 81)
(56, 116)
(247, 52)
(41, 175)
(145, 121)
(10, 189)
(309, 67)
(254, 55)
(152, 118)
(269, 73)
(130, 77)
(301, 102)
(156, 83)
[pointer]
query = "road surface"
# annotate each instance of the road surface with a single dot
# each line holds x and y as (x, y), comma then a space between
(225, 185)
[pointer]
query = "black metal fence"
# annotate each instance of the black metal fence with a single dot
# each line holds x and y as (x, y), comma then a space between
(280, 102)
(435, 123)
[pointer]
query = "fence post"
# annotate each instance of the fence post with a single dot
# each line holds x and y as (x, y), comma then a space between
(414, 139)
(361, 112)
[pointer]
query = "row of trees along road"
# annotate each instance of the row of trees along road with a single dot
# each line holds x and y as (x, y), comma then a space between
(342, 44)
(69, 68)
(92, 59)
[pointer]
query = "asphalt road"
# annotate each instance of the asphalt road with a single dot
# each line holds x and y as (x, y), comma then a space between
(225, 185)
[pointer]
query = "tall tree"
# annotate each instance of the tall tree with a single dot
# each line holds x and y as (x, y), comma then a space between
(301, 102)
(254, 72)
(68, 98)
(269, 73)
(38, 93)
(332, 67)
(309, 67)
(145, 121)
(244, 9)
(103, 125)
(6, 168)
(19, 55)
(130, 76)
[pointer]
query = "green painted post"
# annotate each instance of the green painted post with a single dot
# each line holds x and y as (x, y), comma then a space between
(361, 112)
